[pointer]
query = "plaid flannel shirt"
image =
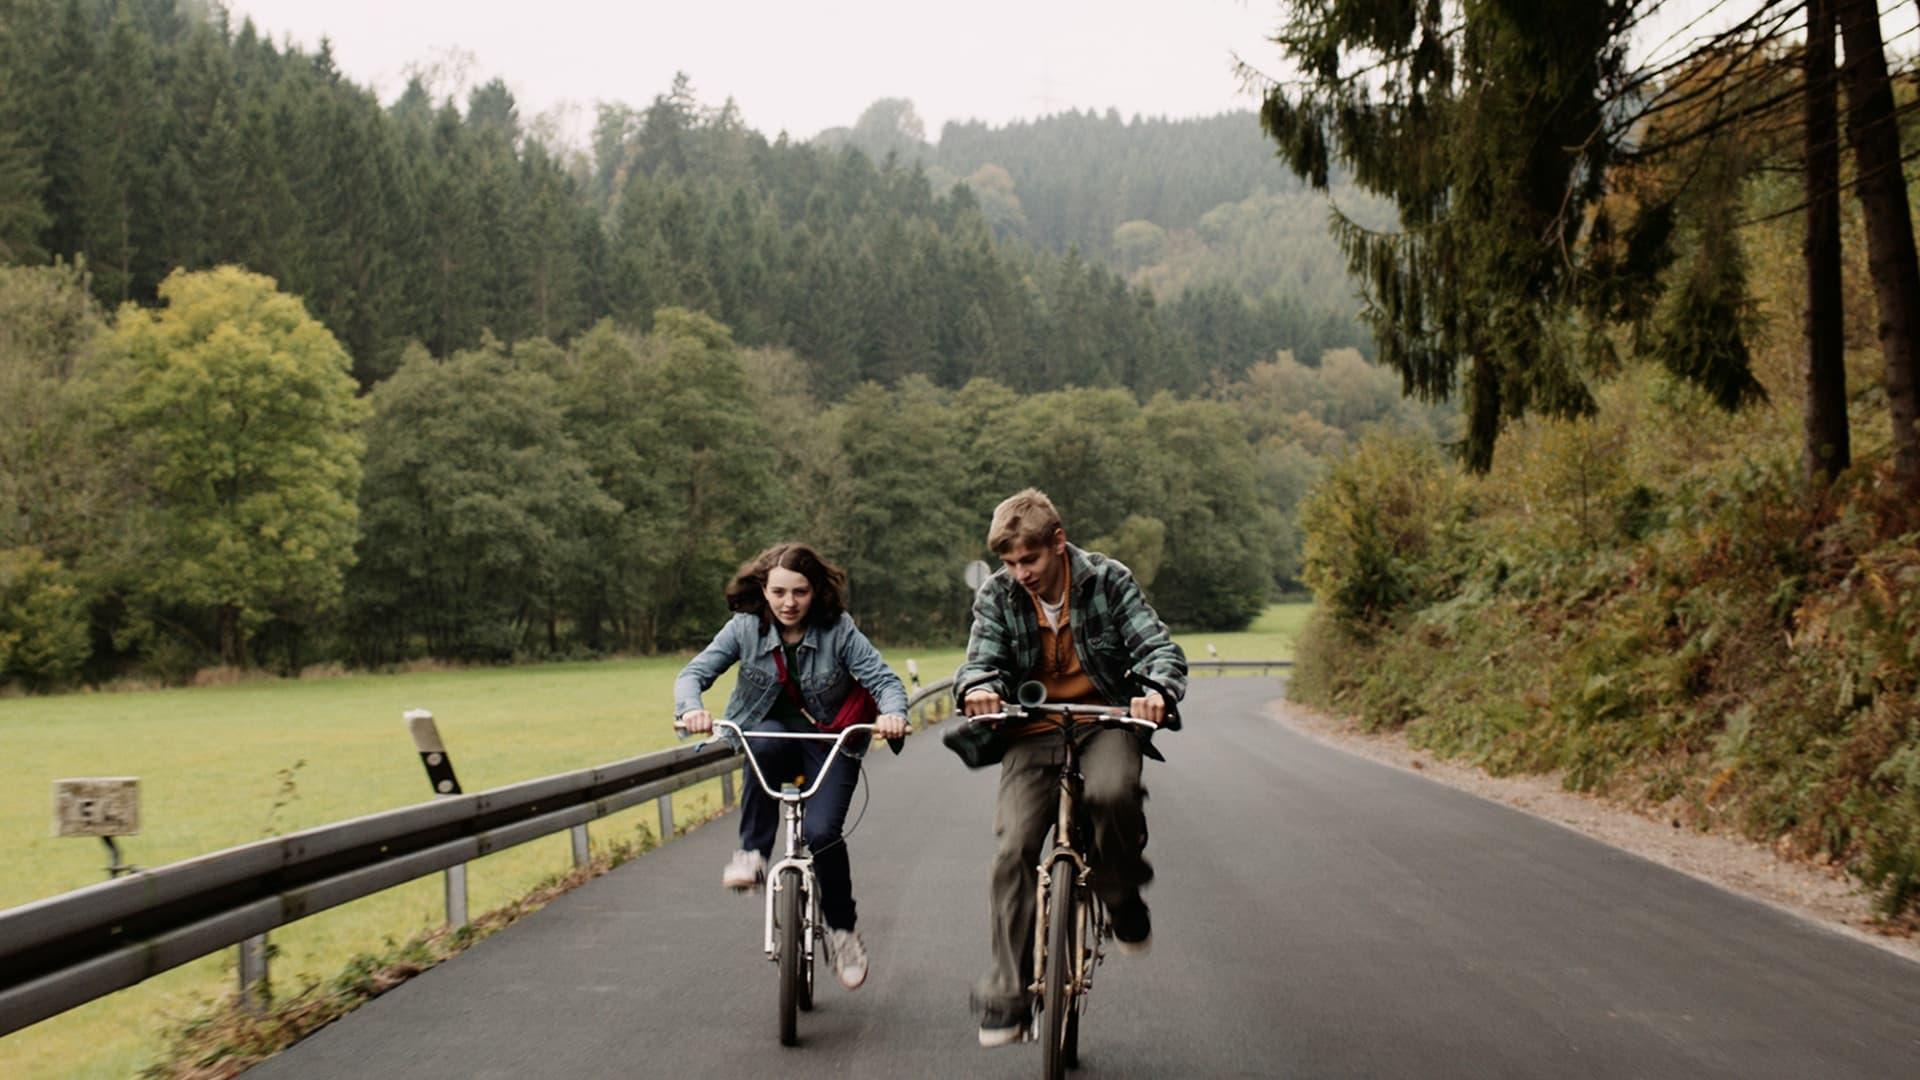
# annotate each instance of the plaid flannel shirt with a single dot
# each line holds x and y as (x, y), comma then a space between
(1115, 633)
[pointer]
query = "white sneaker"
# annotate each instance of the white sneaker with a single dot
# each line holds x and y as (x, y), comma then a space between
(849, 957)
(745, 871)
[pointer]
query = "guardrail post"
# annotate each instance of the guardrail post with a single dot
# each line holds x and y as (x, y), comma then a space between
(666, 818)
(456, 882)
(439, 765)
(726, 789)
(253, 974)
(582, 848)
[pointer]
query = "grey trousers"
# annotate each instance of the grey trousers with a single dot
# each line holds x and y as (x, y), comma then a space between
(1024, 813)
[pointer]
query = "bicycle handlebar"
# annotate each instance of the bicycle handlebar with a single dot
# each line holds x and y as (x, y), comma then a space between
(733, 730)
(1113, 714)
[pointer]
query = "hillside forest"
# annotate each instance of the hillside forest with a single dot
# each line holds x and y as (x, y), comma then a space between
(295, 376)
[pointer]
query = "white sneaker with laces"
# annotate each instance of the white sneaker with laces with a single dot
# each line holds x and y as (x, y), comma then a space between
(745, 871)
(849, 957)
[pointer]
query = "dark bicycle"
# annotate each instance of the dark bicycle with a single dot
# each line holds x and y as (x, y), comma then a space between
(1070, 922)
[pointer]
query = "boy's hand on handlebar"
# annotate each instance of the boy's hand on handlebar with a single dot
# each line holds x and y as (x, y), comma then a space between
(890, 726)
(696, 721)
(1151, 708)
(980, 702)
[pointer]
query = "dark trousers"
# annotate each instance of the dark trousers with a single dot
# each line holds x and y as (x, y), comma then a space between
(1112, 800)
(784, 760)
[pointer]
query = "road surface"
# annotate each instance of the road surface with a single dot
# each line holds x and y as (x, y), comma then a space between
(1315, 914)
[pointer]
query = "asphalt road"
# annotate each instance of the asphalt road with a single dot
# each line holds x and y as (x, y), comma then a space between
(1315, 914)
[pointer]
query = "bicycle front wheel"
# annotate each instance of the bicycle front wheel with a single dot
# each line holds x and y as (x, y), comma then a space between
(1056, 998)
(786, 916)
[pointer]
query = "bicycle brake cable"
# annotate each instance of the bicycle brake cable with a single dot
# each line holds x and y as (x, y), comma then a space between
(866, 796)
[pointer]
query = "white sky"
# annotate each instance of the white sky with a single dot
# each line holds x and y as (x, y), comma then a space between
(805, 65)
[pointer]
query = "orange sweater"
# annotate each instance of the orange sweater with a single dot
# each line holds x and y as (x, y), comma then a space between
(1059, 669)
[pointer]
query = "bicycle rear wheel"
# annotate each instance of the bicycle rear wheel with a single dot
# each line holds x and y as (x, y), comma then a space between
(808, 959)
(1070, 1046)
(1056, 999)
(786, 917)
(1086, 945)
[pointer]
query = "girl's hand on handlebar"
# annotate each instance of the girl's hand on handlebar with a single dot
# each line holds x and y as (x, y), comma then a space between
(1151, 707)
(890, 726)
(696, 721)
(980, 702)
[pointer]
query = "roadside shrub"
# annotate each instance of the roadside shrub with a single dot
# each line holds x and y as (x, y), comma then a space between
(43, 622)
(1386, 530)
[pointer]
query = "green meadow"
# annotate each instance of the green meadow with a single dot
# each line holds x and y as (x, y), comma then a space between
(226, 765)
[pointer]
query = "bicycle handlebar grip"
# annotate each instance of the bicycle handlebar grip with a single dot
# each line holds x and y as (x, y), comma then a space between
(1172, 706)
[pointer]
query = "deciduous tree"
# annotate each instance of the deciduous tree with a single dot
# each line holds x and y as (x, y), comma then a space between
(240, 408)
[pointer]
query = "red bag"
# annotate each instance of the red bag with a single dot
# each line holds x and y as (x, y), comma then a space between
(858, 707)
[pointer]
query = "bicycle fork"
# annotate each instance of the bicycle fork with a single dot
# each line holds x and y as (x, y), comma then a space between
(1079, 975)
(796, 857)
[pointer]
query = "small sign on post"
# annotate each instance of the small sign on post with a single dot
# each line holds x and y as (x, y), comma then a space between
(439, 765)
(97, 806)
(102, 806)
(976, 574)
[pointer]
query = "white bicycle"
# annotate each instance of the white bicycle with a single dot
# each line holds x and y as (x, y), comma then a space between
(794, 927)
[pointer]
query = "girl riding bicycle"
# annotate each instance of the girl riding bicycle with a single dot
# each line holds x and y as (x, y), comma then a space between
(803, 667)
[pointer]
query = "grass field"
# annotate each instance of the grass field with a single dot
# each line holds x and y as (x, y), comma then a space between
(213, 764)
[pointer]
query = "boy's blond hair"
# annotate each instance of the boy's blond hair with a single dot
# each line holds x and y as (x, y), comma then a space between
(1027, 519)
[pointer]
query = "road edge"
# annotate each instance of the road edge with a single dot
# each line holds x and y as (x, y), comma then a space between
(1824, 897)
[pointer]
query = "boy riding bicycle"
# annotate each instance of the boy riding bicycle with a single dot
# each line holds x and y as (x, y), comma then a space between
(1076, 622)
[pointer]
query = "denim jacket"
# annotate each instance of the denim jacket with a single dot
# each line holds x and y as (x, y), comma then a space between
(830, 660)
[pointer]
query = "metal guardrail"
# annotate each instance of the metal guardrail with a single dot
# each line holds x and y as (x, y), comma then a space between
(70, 949)
(925, 694)
(1222, 666)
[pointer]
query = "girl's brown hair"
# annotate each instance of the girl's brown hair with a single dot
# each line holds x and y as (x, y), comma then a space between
(747, 591)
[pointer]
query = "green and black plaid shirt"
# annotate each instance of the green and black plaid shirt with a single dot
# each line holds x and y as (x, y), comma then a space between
(1115, 633)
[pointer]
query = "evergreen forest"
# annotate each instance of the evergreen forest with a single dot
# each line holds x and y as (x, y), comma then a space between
(296, 376)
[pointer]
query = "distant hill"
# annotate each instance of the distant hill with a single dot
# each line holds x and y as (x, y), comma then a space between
(1171, 204)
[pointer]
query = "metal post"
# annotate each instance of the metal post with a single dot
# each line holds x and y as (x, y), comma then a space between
(913, 687)
(666, 818)
(456, 878)
(439, 765)
(582, 848)
(117, 866)
(726, 788)
(253, 974)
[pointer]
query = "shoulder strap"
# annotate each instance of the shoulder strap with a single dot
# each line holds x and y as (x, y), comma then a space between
(786, 680)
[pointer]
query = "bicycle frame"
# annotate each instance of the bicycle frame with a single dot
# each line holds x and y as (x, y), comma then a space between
(1068, 842)
(792, 806)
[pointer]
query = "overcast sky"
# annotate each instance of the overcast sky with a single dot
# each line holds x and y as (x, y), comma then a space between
(804, 65)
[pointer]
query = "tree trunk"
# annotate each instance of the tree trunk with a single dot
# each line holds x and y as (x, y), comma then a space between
(1875, 139)
(1828, 449)
(232, 651)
